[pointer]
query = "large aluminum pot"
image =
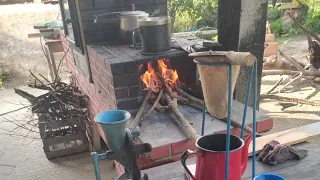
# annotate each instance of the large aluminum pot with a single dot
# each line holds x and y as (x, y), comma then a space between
(155, 34)
(128, 21)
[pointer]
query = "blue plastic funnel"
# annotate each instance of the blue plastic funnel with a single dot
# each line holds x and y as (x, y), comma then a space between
(113, 124)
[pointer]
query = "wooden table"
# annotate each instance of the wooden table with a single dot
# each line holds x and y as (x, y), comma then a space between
(306, 169)
(52, 46)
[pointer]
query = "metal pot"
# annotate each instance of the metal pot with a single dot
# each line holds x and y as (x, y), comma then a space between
(155, 33)
(128, 21)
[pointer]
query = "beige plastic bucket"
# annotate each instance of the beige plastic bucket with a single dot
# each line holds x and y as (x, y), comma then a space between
(214, 82)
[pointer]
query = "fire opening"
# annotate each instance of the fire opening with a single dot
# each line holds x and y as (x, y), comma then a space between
(150, 78)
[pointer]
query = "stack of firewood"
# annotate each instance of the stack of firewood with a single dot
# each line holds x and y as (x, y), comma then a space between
(165, 96)
(62, 103)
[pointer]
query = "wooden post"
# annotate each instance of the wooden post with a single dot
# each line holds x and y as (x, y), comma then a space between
(229, 24)
(251, 39)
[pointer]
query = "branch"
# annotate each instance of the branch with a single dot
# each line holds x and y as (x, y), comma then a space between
(136, 120)
(314, 35)
(278, 72)
(180, 120)
(189, 97)
(275, 86)
(298, 66)
(290, 99)
(14, 110)
(153, 106)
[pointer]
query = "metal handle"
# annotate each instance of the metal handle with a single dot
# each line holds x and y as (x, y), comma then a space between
(137, 29)
(68, 21)
(184, 158)
(101, 19)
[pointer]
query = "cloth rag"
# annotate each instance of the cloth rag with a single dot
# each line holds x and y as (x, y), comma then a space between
(274, 152)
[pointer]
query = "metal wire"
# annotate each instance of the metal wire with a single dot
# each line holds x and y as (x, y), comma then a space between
(203, 118)
(254, 129)
(252, 75)
(246, 102)
(228, 122)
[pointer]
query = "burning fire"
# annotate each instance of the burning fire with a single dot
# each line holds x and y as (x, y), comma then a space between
(151, 80)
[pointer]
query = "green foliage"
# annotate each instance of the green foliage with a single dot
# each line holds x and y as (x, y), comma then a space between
(291, 29)
(188, 14)
(309, 17)
(312, 20)
(276, 27)
(274, 13)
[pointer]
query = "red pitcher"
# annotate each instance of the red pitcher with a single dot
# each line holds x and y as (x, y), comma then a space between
(211, 157)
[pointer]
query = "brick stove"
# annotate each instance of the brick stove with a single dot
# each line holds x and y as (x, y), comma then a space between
(115, 68)
(117, 85)
(108, 73)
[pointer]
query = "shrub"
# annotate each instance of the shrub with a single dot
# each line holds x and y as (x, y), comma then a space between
(274, 13)
(276, 27)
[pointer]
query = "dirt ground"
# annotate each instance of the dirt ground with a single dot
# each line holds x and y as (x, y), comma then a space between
(19, 54)
(22, 158)
(297, 115)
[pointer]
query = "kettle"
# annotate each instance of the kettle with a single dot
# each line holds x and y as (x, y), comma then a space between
(211, 157)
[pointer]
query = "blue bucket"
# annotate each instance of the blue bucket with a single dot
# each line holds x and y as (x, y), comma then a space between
(268, 177)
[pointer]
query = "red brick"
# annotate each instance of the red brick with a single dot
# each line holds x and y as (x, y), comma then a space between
(105, 85)
(96, 79)
(100, 61)
(99, 69)
(108, 68)
(160, 152)
(261, 127)
(104, 106)
(179, 157)
(157, 163)
(180, 147)
(143, 160)
(111, 91)
(107, 76)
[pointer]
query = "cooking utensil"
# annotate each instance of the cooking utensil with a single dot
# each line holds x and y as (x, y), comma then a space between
(211, 157)
(155, 33)
(128, 21)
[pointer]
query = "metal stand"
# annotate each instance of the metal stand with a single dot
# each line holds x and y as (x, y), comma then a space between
(252, 75)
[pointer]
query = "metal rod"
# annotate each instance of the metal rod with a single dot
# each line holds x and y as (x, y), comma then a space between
(228, 121)
(95, 158)
(254, 120)
(203, 118)
(211, 63)
(246, 102)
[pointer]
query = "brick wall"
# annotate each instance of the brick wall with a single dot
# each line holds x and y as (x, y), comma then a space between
(109, 31)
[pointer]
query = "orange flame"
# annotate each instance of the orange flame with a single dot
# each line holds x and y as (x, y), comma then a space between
(150, 78)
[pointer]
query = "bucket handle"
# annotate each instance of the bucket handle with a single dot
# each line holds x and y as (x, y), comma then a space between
(184, 158)
(134, 31)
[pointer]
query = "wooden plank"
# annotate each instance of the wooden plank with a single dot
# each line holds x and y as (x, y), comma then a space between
(289, 170)
(63, 139)
(67, 151)
(34, 35)
(172, 171)
(288, 137)
(313, 157)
